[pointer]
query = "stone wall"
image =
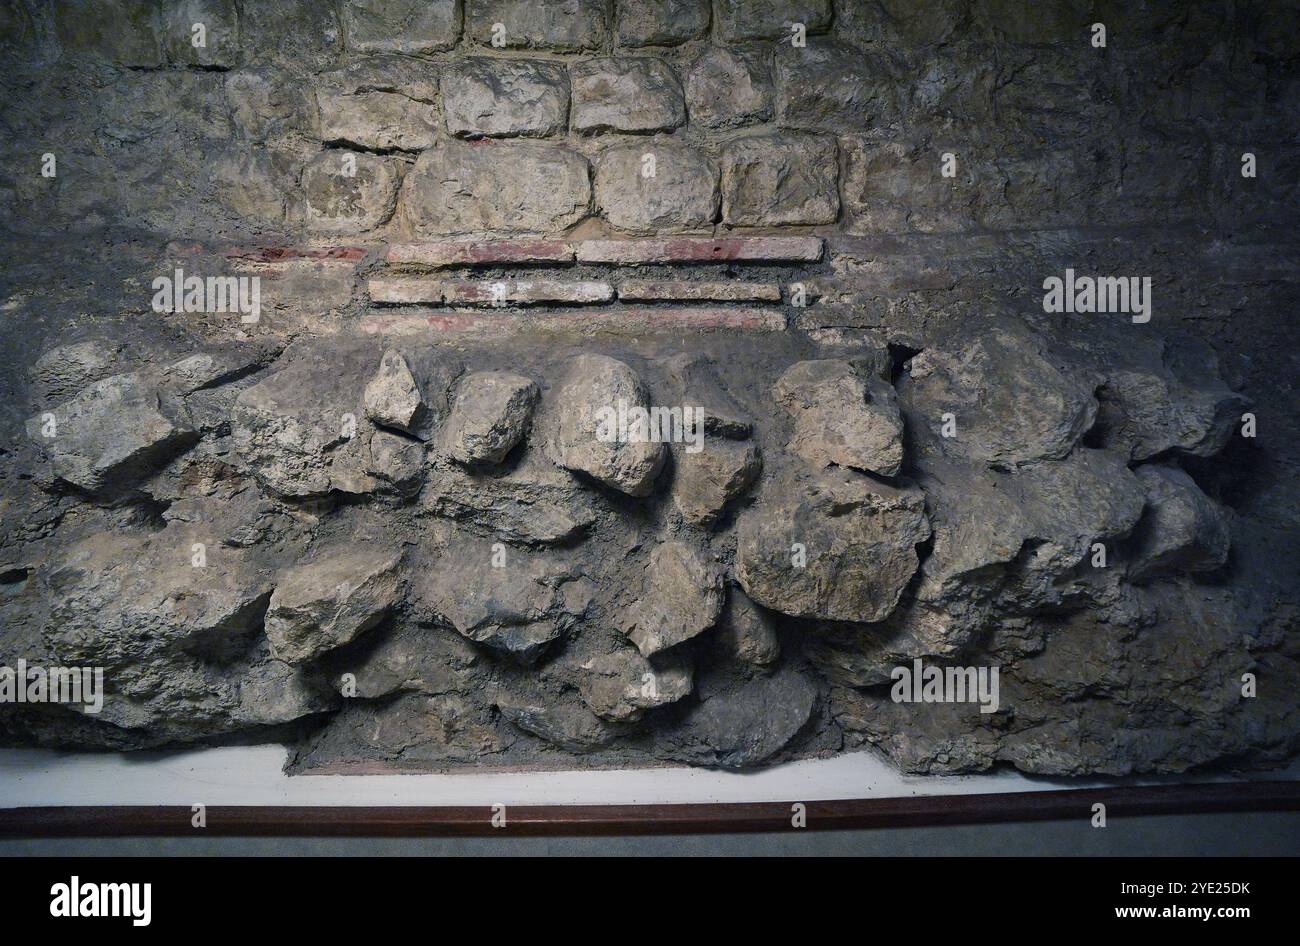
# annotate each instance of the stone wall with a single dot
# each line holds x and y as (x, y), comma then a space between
(375, 517)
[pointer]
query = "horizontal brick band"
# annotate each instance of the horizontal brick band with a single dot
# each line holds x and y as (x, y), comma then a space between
(398, 290)
(620, 321)
(479, 252)
(275, 254)
(701, 250)
(673, 290)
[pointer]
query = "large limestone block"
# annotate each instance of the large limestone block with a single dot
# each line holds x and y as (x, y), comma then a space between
(587, 438)
(778, 180)
(727, 89)
(348, 192)
(556, 25)
(840, 547)
(490, 416)
(630, 95)
(509, 186)
(504, 98)
(681, 598)
(680, 193)
(401, 26)
(771, 19)
(661, 22)
(842, 418)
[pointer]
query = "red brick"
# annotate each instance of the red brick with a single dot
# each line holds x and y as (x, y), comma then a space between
(681, 290)
(586, 321)
(275, 254)
(701, 250)
(479, 252)
(407, 290)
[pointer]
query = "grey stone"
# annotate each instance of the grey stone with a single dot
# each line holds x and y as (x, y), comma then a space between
(858, 540)
(842, 418)
(517, 609)
(829, 85)
(65, 369)
(728, 89)
(746, 726)
(681, 598)
(622, 686)
(379, 121)
(747, 633)
(779, 180)
(631, 95)
(661, 22)
(393, 398)
(682, 193)
(1182, 531)
(133, 41)
(490, 416)
(514, 187)
(770, 19)
(1011, 403)
(558, 25)
(895, 186)
(704, 482)
(505, 98)
(110, 435)
(341, 202)
(696, 377)
(532, 504)
(220, 21)
(586, 439)
(401, 26)
(569, 726)
(329, 602)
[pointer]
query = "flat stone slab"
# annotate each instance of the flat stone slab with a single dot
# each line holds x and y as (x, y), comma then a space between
(479, 253)
(590, 321)
(701, 250)
(416, 291)
(662, 290)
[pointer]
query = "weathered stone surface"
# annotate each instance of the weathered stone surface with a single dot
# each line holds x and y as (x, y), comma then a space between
(622, 685)
(479, 252)
(632, 95)
(408, 290)
(133, 41)
(746, 632)
(517, 609)
(392, 397)
(533, 504)
(586, 439)
(682, 597)
(505, 98)
(661, 22)
(681, 194)
(559, 25)
(741, 728)
(779, 180)
(859, 539)
(642, 290)
(896, 186)
(568, 726)
(704, 482)
(1010, 402)
(109, 435)
(516, 187)
(696, 376)
(727, 89)
(842, 418)
(379, 121)
(220, 21)
(65, 369)
(339, 202)
(1182, 531)
(770, 19)
(829, 85)
(329, 602)
(401, 26)
(490, 416)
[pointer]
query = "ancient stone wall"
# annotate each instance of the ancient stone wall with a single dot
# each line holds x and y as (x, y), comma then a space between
(324, 323)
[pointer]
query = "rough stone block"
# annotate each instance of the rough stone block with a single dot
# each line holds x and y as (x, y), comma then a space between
(631, 95)
(559, 25)
(505, 98)
(401, 26)
(727, 89)
(514, 187)
(770, 19)
(220, 33)
(680, 194)
(132, 40)
(780, 180)
(348, 192)
(829, 85)
(381, 121)
(661, 22)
